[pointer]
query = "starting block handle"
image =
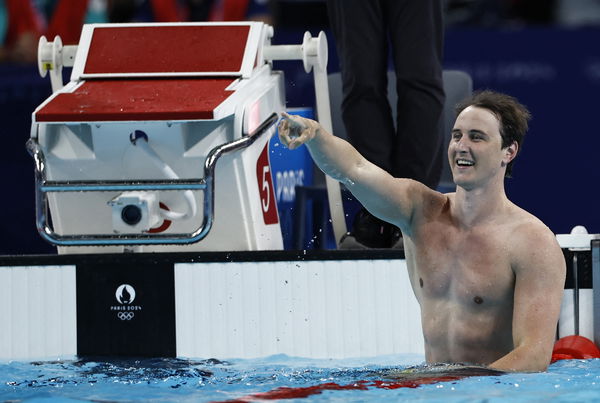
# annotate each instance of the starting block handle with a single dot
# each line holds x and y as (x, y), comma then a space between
(52, 57)
(207, 184)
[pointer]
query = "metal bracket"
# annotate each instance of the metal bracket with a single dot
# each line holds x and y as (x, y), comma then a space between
(206, 184)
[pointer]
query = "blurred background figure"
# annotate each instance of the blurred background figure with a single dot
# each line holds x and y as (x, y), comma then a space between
(66, 17)
(229, 10)
(199, 10)
(20, 28)
(146, 11)
(366, 32)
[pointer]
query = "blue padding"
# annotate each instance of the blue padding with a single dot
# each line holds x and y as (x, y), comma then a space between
(290, 169)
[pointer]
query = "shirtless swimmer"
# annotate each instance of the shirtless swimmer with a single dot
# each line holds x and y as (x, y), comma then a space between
(488, 275)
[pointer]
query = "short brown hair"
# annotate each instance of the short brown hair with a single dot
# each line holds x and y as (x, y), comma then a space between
(513, 116)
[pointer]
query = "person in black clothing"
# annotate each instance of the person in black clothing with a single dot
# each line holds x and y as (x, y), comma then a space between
(365, 31)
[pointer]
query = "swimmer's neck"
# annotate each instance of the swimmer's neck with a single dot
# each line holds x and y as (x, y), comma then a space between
(477, 206)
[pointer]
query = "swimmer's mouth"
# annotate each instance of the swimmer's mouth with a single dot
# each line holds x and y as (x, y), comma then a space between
(464, 163)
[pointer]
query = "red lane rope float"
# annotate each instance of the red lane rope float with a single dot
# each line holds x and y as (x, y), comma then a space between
(574, 347)
(303, 392)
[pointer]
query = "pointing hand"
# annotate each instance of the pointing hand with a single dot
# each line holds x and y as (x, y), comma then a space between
(296, 130)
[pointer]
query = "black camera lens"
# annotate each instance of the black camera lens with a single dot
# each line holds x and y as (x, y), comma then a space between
(131, 214)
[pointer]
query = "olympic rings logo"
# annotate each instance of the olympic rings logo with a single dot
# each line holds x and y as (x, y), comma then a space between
(125, 315)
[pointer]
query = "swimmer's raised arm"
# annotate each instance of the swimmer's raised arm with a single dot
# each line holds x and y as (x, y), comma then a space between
(389, 198)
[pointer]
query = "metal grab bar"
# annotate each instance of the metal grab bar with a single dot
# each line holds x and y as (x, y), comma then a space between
(207, 184)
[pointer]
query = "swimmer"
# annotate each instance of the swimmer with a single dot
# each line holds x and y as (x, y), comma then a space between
(488, 275)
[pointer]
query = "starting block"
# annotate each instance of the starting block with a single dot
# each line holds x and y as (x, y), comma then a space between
(126, 153)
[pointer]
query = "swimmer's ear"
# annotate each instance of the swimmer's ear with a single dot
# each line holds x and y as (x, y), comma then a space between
(510, 152)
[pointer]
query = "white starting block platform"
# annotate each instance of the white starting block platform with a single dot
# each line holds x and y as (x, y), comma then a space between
(126, 153)
(319, 304)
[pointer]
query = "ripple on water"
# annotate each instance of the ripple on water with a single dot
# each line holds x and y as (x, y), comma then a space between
(375, 379)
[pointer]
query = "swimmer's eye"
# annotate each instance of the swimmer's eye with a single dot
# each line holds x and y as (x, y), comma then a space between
(477, 136)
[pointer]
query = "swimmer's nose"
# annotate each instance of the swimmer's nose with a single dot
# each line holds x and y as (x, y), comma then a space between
(462, 145)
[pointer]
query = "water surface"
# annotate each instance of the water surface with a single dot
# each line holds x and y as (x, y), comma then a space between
(285, 378)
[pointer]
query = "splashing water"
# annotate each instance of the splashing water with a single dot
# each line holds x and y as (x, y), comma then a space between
(388, 378)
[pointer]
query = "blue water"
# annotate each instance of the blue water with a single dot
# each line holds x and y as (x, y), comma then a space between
(173, 380)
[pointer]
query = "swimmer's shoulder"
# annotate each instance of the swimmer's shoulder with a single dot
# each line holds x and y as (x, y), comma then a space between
(528, 228)
(532, 239)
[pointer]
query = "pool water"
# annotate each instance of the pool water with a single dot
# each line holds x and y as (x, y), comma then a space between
(284, 378)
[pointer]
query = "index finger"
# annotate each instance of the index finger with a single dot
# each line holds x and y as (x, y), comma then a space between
(283, 123)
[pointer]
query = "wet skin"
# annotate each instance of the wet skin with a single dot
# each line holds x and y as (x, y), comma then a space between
(464, 265)
(487, 274)
(468, 288)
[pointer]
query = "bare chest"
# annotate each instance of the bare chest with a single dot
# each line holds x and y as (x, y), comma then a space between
(470, 268)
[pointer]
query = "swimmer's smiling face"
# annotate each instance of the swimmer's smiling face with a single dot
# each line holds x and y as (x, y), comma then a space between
(475, 151)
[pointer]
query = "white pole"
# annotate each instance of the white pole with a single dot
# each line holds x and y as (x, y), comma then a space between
(334, 193)
(313, 53)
